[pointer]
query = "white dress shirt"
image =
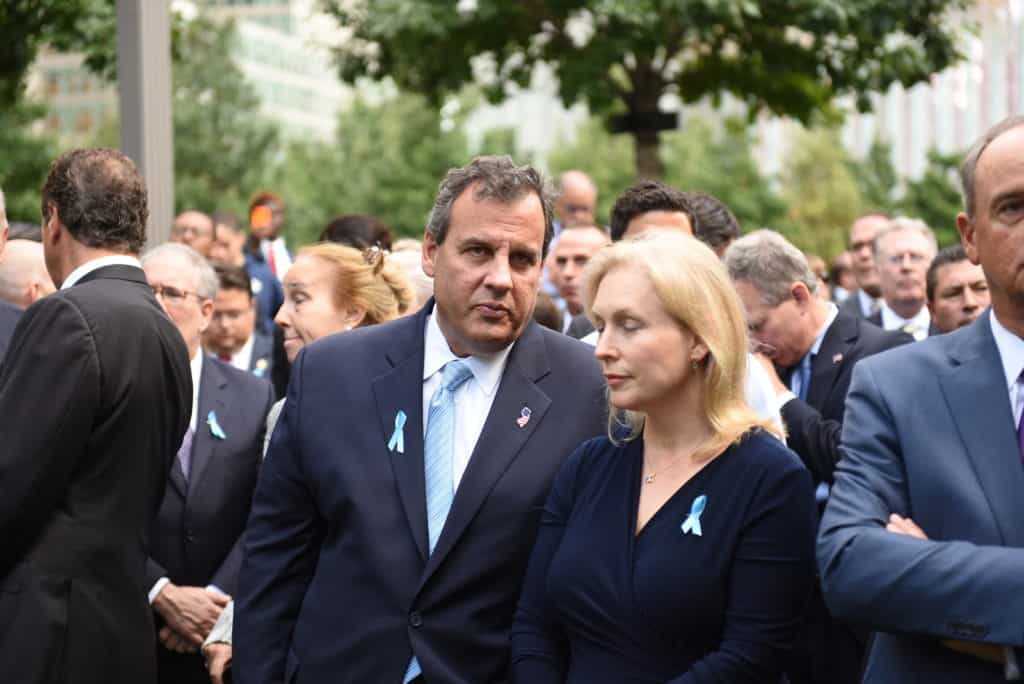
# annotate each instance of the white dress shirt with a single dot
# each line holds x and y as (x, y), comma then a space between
(241, 359)
(90, 266)
(867, 303)
(1011, 354)
(282, 259)
(893, 321)
(473, 398)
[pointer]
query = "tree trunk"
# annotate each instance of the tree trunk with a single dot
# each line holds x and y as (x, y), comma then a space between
(648, 161)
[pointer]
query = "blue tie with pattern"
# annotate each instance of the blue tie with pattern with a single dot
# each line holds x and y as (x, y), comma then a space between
(437, 462)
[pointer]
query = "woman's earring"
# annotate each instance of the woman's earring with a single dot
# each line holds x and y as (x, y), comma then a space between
(695, 364)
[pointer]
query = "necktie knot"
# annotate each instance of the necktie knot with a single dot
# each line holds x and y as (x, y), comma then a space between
(454, 374)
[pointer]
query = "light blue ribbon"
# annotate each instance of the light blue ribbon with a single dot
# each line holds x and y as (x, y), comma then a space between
(692, 522)
(397, 442)
(215, 428)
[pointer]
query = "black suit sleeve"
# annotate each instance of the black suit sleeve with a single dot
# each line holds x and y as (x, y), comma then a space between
(49, 393)
(814, 437)
(226, 576)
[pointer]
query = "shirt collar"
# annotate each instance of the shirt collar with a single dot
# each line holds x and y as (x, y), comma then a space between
(866, 302)
(830, 318)
(196, 366)
(486, 368)
(1011, 350)
(893, 321)
(245, 352)
(90, 266)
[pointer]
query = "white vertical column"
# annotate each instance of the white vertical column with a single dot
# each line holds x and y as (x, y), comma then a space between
(144, 83)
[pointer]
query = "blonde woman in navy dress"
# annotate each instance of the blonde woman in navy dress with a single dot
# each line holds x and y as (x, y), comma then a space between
(679, 549)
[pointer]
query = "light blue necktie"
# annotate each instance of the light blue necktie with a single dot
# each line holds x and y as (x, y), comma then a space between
(805, 375)
(437, 461)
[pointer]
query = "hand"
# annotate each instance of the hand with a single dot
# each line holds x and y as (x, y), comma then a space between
(218, 660)
(905, 526)
(190, 611)
(773, 375)
(990, 653)
(173, 641)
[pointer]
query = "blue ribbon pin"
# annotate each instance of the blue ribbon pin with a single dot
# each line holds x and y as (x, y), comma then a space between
(692, 522)
(215, 428)
(397, 442)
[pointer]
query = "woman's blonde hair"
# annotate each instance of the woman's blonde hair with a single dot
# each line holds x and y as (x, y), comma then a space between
(695, 290)
(365, 279)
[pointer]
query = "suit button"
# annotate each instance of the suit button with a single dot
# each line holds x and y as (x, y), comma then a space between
(415, 619)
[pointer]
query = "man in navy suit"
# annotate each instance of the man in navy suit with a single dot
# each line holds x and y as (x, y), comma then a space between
(923, 537)
(383, 547)
(232, 335)
(9, 314)
(195, 542)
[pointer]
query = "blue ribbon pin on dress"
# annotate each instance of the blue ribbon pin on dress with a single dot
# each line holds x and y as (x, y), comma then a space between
(692, 522)
(215, 428)
(397, 442)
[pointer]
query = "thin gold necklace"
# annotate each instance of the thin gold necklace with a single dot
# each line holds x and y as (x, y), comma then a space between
(651, 477)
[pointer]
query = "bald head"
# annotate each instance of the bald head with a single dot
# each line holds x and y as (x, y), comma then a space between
(577, 198)
(23, 275)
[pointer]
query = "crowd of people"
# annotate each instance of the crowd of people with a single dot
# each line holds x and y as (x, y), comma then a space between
(526, 448)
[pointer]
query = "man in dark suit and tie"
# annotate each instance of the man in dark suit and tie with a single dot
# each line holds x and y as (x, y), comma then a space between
(813, 349)
(95, 395)
(904, 248)
(866, 300)
(232, 335)
(195, 543)
(923, 536)
(9, 314)
(401, 494)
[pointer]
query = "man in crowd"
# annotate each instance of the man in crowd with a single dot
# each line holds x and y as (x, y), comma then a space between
(716, 226)
(903, 249)
(229, 249)
(95, 395)
(23, 276)
(957, 290)
(932, 432)
(844, 283)
(195, 543)
(266, 244)
(813, 348)
(439, 434)
(232, 336)
(9, 312)
(196, 229)
(577, 200)
(866, 299)
(573, 249)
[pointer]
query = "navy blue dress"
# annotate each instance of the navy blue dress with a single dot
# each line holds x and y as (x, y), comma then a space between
(603, 604)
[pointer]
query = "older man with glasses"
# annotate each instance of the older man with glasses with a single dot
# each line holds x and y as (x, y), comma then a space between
(903, 249)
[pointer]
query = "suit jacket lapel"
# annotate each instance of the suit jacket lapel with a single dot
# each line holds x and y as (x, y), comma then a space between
(212, 383)
(978, 403)
(839, 337)
(401, 389)
(177, 477)
(501, 439)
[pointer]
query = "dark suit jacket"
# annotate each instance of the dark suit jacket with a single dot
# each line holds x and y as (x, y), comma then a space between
(580, 327)
(262, 362)
(814, 426)
(851, 306)
(337, 585)
(929, 434)
(95, 395)
(9, 315)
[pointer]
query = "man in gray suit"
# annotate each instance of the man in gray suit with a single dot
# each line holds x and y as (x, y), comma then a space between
(923, 537)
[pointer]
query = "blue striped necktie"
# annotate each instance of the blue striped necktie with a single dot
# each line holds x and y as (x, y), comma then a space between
(437, 462)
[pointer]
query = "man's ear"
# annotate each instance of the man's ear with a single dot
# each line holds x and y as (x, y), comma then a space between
(800, 293)
(430, 248)
(965, 226)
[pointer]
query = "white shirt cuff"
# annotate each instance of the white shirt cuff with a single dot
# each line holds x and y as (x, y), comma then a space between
(783, 399)
(1012, 670)
(215, 588)
(157, 588)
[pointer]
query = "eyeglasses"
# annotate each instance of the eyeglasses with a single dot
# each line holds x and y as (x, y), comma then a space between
(173, 295)
(897, 259)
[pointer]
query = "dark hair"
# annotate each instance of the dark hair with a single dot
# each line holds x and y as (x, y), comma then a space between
(25, 231)
(969, 167)
(234, 278)
(547, 313)
(265, 197)
(357, 230)
(953, 254)
(716, 226)
(496, 178)
(222, 217)
(99, 197)
(645, 196)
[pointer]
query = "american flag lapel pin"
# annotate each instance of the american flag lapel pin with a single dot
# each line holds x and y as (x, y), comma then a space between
(524, 417)
(836, 358)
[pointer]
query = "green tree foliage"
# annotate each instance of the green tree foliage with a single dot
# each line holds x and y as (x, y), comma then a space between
(720, 163)
(388, 160)
(622, 56)
(935, 196)
(876, 178)
(24, 162)
(820, 191)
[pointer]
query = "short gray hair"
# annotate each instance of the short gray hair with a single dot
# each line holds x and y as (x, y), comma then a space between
(496, 178)
(205, 277)
(902, 224)
(770, 264)
(969, 166)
